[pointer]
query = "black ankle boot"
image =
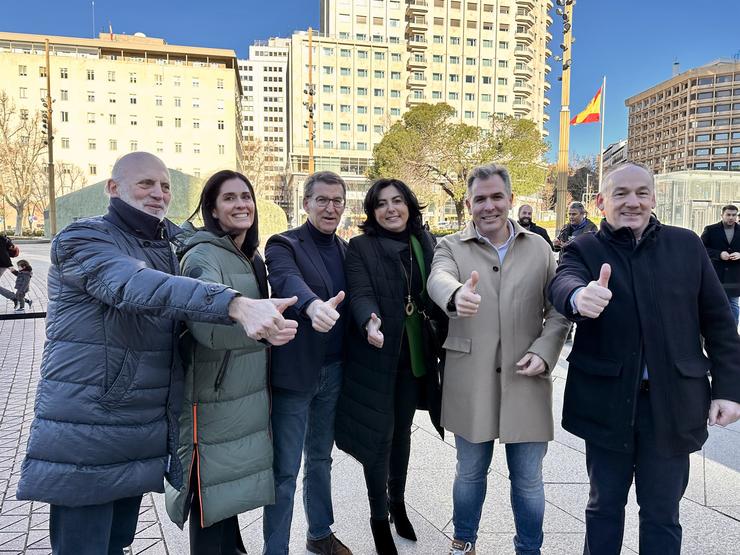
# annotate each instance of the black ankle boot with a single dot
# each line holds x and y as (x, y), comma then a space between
(401, 521)
(382, 537)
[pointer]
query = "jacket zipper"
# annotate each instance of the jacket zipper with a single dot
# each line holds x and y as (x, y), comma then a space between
(196, 455)
(222, 371)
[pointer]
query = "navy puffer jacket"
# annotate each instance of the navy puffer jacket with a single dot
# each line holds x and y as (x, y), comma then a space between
(107, 404)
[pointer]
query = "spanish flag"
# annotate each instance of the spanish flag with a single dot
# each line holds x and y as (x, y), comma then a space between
(592, 112)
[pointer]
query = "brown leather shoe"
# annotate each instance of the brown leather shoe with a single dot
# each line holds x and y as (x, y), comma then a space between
(330, 545)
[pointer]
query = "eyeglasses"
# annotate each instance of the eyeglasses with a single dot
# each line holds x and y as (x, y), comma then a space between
(323, 202)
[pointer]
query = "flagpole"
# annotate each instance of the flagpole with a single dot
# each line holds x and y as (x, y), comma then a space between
(603, 115)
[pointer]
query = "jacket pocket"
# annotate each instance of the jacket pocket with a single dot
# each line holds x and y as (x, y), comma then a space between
(694, 394)
(123, 380)
(459, 344)
(596, 366)
(222, 371)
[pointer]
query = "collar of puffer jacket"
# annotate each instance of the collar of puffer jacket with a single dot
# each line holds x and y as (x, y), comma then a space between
(138, 223)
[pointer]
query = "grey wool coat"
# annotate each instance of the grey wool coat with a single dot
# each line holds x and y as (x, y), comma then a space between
(225, 421)
(483, 398)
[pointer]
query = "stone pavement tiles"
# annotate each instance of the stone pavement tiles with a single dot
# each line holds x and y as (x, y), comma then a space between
(710, 511)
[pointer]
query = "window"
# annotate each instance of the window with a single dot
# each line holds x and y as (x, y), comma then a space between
(344, 90)
(328, 70)
(345, 53)
(344, 145)
(23, 92)
(327, 107)
(344, 127)
(455, 40)
(502, 81)
(345, 71)
(469, 114)
(112, 144)
(91, 144)
(485, 79)
(91, 75)
(396, 57)
(221, 149)
(487, 43)
(702, 138)
(65, 116)
(454, 78)
(469, 97)
(437, 95)
(132, 77)
(362, 109)
(486, 62)
(378, 92)
(132, 99)
(42, 71)
(176, 81)
(178, 122)
(361, 91)
(436, 76)
(63, 73)
(91, 117)
(503, 44)
(328, 88)
(395, 74)
(503, 63)
(470, 61)
(361, 146)
(721, 136)
(196, 124)
(378, 110)
(328, 126)
(134, 120)
(178, 147)
(92, 169)
(23, 71)
(720, 150)
(361, 73)
(379, 74)
(133, 145)
(453, 96)
(345, 108)
(362, 54)
(501, 98)
(485, 97)
(361, 128)
(159, 121)
(178, 102)
(395, 94)
(65, 142)
(157, 100)
(196, 82)
(471, 42)
(438, 39)
(196, 148)
(454, 59)
(196, 103)
(379, 55)
(158, 80)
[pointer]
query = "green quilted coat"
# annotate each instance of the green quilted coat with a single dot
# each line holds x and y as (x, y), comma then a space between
(225, 421)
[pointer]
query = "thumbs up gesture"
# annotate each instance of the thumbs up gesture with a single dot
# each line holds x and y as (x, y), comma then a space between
(592, 299)
(374, 335)
(323, 314)
(467, 300)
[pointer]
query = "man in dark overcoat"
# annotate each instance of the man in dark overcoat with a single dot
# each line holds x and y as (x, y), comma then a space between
(638, 388)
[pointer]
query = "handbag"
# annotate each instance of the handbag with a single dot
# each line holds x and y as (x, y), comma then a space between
(13, 250)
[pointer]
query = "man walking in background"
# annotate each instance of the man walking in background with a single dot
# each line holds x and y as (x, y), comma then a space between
(722, 241)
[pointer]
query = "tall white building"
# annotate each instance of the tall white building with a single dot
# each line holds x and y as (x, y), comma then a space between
(373, 60)
(264, 104)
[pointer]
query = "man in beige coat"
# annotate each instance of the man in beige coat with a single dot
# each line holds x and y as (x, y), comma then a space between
(503, 340)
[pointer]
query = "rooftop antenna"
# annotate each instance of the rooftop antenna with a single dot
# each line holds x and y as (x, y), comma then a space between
(93, 18)
(676, 67)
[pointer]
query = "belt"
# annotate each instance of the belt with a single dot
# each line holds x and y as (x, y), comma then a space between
(644, 386)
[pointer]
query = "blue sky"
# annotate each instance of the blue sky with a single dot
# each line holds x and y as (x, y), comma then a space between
(632, 42)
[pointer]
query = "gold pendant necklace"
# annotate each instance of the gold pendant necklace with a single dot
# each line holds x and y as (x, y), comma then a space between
(409, 307)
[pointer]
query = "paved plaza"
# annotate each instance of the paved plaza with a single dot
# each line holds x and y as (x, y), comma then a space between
(710, 511)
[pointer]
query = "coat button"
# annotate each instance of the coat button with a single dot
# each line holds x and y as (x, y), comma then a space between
(498, 370)
(495, 268)
(209, 300)
(213, 288)
(147, 244)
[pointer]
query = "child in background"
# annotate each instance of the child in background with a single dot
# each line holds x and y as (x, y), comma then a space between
(22, 284)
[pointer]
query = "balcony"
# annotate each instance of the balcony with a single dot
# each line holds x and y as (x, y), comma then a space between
(414, 82)
(521, 70)
(548, 69)
(417, 61)
(526, 3)
(545, 117)
(525, 35)
(523, 88)
(547, 85)
(548, 36)
(417, 7)
(414, 100)
(416, 24)
(416, 43)
(525, 17)
(523, 52)
(546, 101)
(548, 19)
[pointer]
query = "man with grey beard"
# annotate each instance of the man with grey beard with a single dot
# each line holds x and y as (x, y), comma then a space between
(105, 423)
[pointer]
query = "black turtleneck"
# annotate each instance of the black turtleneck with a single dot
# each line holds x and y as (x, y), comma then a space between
(137, 222)
(328, 248)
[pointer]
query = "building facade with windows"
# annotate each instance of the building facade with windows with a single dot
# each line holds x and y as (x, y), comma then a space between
(689, 122)
(122, 93)
(265, 111)
(373, 60)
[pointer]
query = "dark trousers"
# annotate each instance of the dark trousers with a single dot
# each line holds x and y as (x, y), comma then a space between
(94, 529)
(220, 538)
(660, 482)
(386, 478)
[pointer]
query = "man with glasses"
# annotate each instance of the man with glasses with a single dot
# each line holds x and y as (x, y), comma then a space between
(306, 378)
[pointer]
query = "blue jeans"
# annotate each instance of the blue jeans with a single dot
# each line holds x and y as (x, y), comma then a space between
(94, 529)
(302, 422)
(735, 307)
(527, 491)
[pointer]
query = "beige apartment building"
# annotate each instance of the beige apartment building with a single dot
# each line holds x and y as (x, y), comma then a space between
(264, 79)
(689, 122)
(121, 93)
(373, 60)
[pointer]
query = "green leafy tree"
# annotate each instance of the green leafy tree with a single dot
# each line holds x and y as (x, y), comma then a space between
(430, 151)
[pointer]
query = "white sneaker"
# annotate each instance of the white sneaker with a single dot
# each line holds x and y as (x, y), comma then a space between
(20, 309)
(461, 548)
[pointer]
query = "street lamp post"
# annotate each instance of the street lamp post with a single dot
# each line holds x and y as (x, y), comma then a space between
(566, 12)
(47, 102)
